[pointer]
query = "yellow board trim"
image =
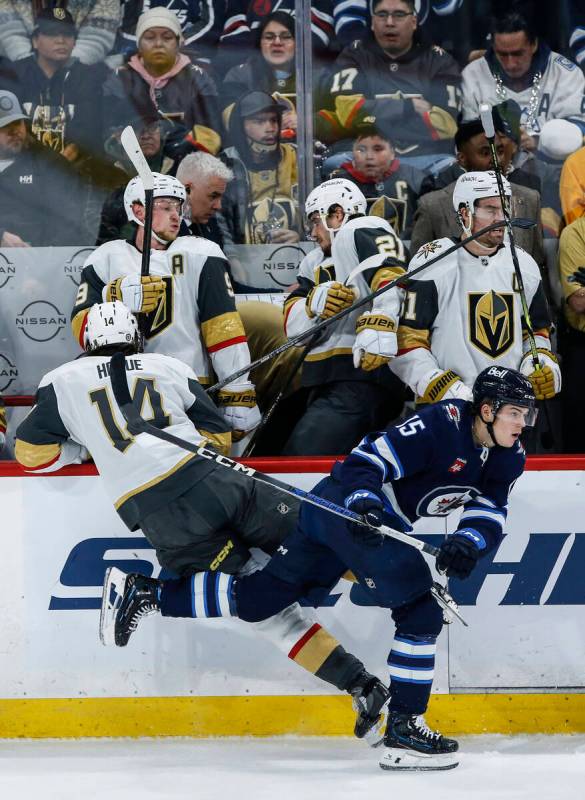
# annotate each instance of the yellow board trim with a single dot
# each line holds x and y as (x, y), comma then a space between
(201, 717)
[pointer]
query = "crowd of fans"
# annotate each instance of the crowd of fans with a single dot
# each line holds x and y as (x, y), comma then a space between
(210, 89)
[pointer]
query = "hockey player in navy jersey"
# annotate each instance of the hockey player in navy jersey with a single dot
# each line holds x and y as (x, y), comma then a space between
(450, 455)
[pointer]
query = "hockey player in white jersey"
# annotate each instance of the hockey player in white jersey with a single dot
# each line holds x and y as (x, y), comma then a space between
(196, 514)
(351, 388)
(188, 299)
(464, 313)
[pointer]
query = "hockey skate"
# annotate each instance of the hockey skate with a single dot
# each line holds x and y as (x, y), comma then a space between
(125, 600)
(412, 745)
(369, 698)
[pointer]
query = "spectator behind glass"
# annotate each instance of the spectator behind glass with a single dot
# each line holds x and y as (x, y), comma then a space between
(40, 193)
(271, 69)
(151, 132)
(260, 204)
(96, 21)
(390, 79)
(62, 96)
(391, 188)
(202, 23)
(182, 92)
(572, 341)
(520, 67)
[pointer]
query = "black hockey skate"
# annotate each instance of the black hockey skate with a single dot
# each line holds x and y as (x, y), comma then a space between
(369, 698)
(125, 600)
(412, 745)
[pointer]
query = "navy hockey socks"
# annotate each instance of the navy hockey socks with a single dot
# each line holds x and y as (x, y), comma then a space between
(202, 596)
(412, 668)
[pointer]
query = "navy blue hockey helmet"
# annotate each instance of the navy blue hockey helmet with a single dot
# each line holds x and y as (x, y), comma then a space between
(501, 386)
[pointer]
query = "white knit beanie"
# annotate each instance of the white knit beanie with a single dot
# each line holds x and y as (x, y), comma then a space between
(159, 17)
(559, 138)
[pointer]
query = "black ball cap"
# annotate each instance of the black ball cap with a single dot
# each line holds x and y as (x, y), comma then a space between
(55, 22)
(257, 102)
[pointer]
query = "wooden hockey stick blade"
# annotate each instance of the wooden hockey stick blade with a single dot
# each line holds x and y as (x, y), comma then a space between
(136, 156)
(137, 425)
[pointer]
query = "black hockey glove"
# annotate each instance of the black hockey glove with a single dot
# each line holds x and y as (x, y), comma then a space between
(371, 507)
(578, 277)
(458, 555)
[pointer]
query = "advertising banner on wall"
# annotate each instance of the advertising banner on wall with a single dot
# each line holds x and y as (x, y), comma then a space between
(524, 605)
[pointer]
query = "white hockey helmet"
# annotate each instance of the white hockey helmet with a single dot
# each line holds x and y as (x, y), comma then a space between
(164, 186)
(336, 192)
(473, 186)
(110, 323)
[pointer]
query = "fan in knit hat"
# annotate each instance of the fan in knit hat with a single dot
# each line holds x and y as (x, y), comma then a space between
(159, 17)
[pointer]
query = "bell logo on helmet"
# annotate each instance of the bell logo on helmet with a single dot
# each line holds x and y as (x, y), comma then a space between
(497, 372)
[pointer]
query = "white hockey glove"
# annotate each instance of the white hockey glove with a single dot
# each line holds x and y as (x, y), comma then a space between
(237, 401)
(438, 385)
(141, 294)
(328, 299)
(545, 381)
(2, 440)
(375, 343)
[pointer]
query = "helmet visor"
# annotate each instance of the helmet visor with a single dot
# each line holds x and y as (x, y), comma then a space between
(512, 412)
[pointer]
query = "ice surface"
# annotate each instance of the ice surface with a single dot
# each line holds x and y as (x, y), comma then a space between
(491, 768)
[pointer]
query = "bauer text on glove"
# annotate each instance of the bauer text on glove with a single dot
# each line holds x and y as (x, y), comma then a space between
(238, 404)
(375, 343)
(139, 293)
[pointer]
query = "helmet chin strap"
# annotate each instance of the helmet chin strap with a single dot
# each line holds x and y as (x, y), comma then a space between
(154, 235)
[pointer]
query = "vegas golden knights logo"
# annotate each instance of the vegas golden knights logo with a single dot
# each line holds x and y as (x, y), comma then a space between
(324, 272)
(160, 319)
(392, 209)
(491, 322)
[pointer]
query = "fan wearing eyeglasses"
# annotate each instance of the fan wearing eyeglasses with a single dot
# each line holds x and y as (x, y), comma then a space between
(389, 78)
(270, 69)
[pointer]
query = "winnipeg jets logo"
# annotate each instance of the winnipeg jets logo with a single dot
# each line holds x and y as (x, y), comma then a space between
(441, 501)
(428, 249)
(453, 414)
(458, 465)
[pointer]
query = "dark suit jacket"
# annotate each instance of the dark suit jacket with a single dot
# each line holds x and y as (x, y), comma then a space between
(435, 219)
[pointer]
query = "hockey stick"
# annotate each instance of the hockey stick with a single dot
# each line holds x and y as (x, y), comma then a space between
(136, 156)
(402, 281)
(487, 121)
(136, 425)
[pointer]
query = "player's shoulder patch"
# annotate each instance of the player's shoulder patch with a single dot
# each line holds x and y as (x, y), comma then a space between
(427, 252)
(453, 414)
(565, 63)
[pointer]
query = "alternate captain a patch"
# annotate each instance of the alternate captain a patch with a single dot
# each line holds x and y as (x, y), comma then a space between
(491, 322)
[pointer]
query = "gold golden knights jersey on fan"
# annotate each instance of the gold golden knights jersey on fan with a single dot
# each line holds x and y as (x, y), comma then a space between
(196, 321)
(371, 244)
(464, 314)
(140, 473)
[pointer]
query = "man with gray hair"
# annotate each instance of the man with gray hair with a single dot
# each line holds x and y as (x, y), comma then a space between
(205, 179)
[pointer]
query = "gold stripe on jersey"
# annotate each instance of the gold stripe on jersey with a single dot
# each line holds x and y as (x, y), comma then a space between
(315, 651)
(223, 328)
(220, 441)
(153, 482)
(385, 275)
(289, 303)
(35, 456)
(2, 417)
(338, 351)
(411, 338)
(204, 380)
(349, 576)
(544, 332)
(77, 324)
